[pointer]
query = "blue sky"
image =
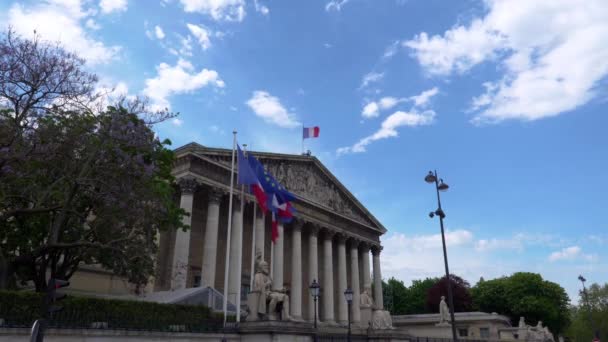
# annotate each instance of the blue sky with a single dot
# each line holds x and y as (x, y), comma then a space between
(505, 99)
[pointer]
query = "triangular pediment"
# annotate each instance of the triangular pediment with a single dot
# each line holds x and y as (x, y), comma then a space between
(303, 175)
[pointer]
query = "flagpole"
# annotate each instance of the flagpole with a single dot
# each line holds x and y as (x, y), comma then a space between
(253, 229)
(239, 262)
(228, 231)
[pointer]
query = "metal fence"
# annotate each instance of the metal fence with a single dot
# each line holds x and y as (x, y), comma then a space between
(90, 320)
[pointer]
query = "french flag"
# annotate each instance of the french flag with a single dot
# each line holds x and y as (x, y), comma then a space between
(311, 132)
(246, 176)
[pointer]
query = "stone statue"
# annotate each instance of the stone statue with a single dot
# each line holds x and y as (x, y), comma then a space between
(276, 297)
(444, 312)
(382, 320)
(366, 299)
(258, 297)
(522, 322)
(262, 302)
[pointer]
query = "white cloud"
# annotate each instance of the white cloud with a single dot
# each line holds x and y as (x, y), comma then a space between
(186, 46)
(389, 127)
(571, 253)
(91, 24)
(61, 21)
(109, 6)
(178, 79)
(423, 98)
(371, 78)
(327, 45)
(261, 8)
(270, 109)
(391, 50)
(177, 122)
(228, 10)
(158, 32)
(335, 5)
(372, 109)
(550, 66)
(201, 34)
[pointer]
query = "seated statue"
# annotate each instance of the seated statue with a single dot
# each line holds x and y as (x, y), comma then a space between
(366, 299)
(279, 297)
(263, 301)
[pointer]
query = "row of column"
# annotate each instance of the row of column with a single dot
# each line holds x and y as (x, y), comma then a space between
(209, 262)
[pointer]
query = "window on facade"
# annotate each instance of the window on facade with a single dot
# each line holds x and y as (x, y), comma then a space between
(463, 332)
(484, 332)
(197, 281)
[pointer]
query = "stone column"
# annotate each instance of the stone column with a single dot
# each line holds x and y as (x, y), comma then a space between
(277, 263)
(296, 271)
(378, 300)
(354, 281)
(328, 279)
(365, 266)
(313, 268)
(260, 230)
(342, 280)
(181, 251)
(236, 253)
(210, 243)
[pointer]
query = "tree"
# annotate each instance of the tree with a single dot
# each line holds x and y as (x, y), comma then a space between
(524, 294)
(79, 185)
(395, 296)
(417, 296)
(460, 294)
(588, 318)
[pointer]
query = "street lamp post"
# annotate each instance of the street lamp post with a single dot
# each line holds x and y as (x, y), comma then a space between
(586, 298)
(314, 292)
(431, 177)
(348, 295)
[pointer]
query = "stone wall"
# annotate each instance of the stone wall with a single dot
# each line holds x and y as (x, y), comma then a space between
(90, 335)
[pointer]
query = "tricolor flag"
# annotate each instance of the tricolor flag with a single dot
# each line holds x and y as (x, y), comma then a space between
(248, 177)
(310, 132)
(278, 198)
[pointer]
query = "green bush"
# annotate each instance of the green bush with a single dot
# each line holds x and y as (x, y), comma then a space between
(20, 308)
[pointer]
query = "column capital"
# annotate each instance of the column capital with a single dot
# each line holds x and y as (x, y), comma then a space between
(328, 233)
(298, 224)
(215, 194)
(188, 185)
(376, 249)
(354, 242)
(341, 237)
(314, 228)
(365, 246)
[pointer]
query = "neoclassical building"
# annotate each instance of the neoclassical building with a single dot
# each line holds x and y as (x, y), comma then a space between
(329, 240)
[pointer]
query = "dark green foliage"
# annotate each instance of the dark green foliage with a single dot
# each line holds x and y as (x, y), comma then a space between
(589, 317)
(524, 294)
(22, 308)
(402, 300)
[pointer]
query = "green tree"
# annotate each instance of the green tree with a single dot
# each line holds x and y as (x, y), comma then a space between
(79, 185)
(395, 296)
(587, 318)
(417, 294)
(524, 294)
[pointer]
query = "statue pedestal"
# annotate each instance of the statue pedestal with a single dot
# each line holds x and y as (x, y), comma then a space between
(382, 320)
(252, 305)
(366, 316)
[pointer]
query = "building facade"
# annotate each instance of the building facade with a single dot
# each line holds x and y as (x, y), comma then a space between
(330, 239)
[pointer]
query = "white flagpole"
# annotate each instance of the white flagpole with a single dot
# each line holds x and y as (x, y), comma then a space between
(239, 262)
(228, 231)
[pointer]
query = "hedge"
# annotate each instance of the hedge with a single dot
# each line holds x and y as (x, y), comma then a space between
(19, 308)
